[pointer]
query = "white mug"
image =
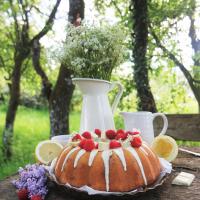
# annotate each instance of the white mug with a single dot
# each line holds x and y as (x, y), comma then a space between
(144, 122)
(62, 139)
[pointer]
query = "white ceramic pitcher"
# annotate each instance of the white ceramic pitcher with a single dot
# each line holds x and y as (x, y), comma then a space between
(96, 110)
(144, 122)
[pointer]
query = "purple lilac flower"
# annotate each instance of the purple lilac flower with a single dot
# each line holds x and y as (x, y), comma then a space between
(34, 179)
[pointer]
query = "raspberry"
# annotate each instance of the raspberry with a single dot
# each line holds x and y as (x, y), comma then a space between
(120, 131)
(89, 145)
(96, 146)
(87, 135)
(111, 134)
(136, 132)
(115, 144)
(36, 197)
(77, 137)
(121, 134)
(98, 132)
(136, 142)
(82, 142)
(22, 194)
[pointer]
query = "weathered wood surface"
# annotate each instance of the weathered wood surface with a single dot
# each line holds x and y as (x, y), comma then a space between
(184, 162)
(181, 126)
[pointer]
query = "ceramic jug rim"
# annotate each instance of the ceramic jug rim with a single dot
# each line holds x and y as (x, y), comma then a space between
(136, 113)
(90, 79)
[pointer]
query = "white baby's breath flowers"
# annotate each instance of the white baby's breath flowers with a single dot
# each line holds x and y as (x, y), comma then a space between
(93, 51)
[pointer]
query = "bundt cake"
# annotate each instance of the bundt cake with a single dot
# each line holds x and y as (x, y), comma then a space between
(115, 161)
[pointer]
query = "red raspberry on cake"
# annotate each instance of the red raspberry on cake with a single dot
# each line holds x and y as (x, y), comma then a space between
(89, 145)
(87, 135)
(136, 142)
(36, 197)
(120, 131)
(77, 137)
(82, 142)
(121, 134)
(22, 194)
(134, 132)
(111, 134)
(96, 145)
(98, 132)
(115, 144)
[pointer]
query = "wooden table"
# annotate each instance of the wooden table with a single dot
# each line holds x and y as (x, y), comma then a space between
(184, 162)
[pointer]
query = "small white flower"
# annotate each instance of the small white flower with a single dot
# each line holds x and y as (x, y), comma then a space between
(91, 50)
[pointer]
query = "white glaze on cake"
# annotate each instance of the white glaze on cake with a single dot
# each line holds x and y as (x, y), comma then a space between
(92, 156)
(103, 146)
(106, 157)
(78, 156)
(135, 155)
(63, 153)
(143, 150)
(120, 154)
(67, 156)
(146, 146)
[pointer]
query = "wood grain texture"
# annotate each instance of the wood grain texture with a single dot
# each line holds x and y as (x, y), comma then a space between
(184, 162)
(181, 126)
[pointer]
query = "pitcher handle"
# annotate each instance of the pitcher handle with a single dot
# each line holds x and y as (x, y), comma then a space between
(118, 96)
(164, 120)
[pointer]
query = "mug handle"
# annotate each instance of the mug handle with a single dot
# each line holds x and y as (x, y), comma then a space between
(118, 96)
(164, 120)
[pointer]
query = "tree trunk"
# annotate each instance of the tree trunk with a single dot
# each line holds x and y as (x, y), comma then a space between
(140, 42)
(12, 107)
(59, 104)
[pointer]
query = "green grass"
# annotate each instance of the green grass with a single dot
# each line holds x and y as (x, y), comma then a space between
(32, 126)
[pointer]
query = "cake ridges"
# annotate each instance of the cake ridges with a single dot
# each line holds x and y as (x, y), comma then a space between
(78, 156)
(135, 155)
(106, 158)
(67, 156)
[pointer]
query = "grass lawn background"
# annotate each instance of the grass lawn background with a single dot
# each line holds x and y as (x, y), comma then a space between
(32, 126)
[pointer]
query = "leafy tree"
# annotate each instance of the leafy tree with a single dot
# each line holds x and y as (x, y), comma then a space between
(134, 16)
(163, 19)
(19, 12)
(140, 43)
(59, 96)
(173, 14)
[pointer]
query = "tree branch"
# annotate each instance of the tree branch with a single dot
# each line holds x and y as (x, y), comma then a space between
(39, 11)
(24, 14)
(14, 15)
(2, 63)
(25, 65)
(48, 25)
(47, 86)
(176, 61)
(117, 8)
(192, 33)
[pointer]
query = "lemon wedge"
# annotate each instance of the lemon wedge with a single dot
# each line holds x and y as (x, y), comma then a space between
(47, 150)
(165, 147)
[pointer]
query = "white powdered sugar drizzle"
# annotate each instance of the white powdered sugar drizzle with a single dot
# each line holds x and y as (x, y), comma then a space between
(92, 156)
(67, 156)
(134, 153)
(143, 150)
(150, 150)
(78, 156)
(120, 154)
(106, 157)
(62, 154)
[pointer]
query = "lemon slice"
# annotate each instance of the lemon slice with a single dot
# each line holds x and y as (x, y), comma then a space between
(165, 147)
(47, 150)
